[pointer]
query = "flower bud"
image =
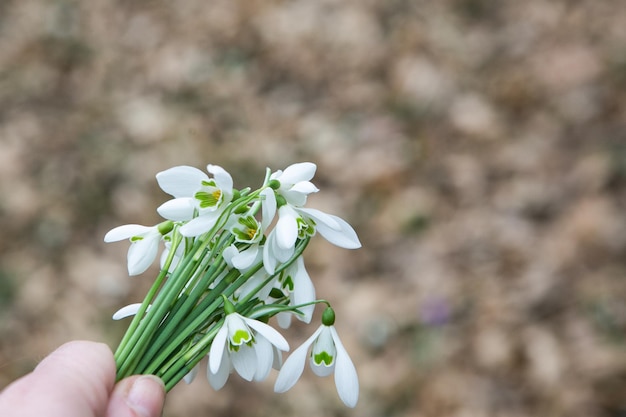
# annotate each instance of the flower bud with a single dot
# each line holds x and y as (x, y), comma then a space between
(274, 184)
(328, 317)
(165, 227)
(280, 201)
(229, 308)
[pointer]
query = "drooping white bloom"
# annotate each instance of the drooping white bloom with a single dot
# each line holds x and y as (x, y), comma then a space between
(296, 282)
(327, 356)
(295, 184)
(195, 194)
(281, 241)
(298, 222)
(245, 345)
(178, 255)
(243, 261)
(268, 208)
(143, 247)
(332, 228)
(246, 229)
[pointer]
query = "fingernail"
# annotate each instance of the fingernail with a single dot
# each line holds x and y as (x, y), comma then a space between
(146, 396)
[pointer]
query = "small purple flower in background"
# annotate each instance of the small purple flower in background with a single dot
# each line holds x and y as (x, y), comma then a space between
(434, 312)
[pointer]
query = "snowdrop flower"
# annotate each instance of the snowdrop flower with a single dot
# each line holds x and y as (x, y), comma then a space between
(178, 255)
(246, 245)
(195, 194)
(297, 283)
(298, 222)
(243, 344)
(327, 356)
(246, 229)
(295, 184)
(332, 228)
(144, 243)
(243, 261)
(281, 241)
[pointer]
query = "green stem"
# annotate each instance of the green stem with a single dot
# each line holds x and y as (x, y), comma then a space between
(127, 340)
(162, 304)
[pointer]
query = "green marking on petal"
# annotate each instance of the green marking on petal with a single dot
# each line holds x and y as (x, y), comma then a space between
(241, 336)
(248, 222)
(288, 283)
(249, 232)
(208, 199)
(276, 293)
(136, 238)
(305, 227)
(241, 235)
(323, 357)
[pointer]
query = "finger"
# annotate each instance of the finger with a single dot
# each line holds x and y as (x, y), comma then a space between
(73, 381)
(137, 396)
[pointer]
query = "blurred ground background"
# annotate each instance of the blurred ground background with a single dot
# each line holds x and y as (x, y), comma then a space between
(479, 149)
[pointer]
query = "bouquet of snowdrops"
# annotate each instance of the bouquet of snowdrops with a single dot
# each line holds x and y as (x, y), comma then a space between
(227, 267)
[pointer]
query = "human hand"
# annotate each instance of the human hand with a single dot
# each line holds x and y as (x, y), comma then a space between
(78, 380)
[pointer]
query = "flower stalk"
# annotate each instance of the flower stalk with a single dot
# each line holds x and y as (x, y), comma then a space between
(224, 273)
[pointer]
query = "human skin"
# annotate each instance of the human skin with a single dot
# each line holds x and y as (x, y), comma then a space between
(78, 380)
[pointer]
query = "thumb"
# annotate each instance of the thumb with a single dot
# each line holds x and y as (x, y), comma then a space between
(137, 396)
(73, 381)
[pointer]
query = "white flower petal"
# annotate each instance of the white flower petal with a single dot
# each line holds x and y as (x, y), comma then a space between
(273, 253)
(321, 217)
(268, 208)
(294, 365)
(284, 319)
(324, 343)
(277, 361)
(253, 283)
(199, 225)
(304, 291)
(346, 378)
(347, 238)
(302, 171)
(244, 361)
(281, 255)
(141, 254)
(217, 349)
(181, 181)
(218, 379)
(191, 375)
(264, 357)
(294, 198)
(246, 258)
(177, 209)
(222, 178)
(304, 187)
(229, 253)
(126, 311)
(267, 331)
(322, 370)
(236, 323)
(286, 228)
(269, 260)
(175, 260)
(125, 232)
(334, 229)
